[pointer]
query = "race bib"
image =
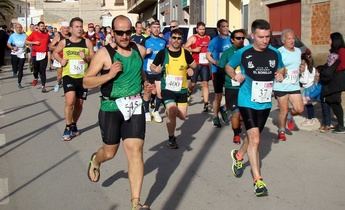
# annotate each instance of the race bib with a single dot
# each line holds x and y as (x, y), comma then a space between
(76, 66)
(149, 62)
(173, 83)
(291, 77)
(202, 58)
(56, 64)
(233, 82)
(40, 56)
(20, 53)
(262, 91)
(129, 106)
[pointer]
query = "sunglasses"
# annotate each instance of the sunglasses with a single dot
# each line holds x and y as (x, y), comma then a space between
(239, 38)
(121, 33)
(173, 26)
(176, 38)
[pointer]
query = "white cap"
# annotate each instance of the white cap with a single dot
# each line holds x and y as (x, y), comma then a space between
(64, 24)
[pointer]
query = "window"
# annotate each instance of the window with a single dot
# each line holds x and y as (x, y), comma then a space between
(119, 3)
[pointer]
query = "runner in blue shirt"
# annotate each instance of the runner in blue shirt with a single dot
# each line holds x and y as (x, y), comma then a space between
(215, 49)
(153, 45)
(260, 65)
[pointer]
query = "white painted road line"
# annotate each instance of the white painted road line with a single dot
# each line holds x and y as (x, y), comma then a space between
(2, 113)
(4, 198)
(2, 139)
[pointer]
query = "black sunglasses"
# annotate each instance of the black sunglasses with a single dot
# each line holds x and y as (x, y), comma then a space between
(239, 38)
(176, 37)
(121, 33)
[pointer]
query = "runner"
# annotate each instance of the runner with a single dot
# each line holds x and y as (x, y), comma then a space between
(77, 53)
(39, 41)
(138, 36)
(260, 65)
(92, 35)
(62, 34)
(215, 49)
(197, 44)
(153, 45)
(231, 86)
(174, 63)
(289, 89)
(118, 70)
(16, 42)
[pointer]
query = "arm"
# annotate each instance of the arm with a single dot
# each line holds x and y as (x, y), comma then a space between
(91, 80)
(210, 58)
(30, 41)
(189, 43)
(142, 50)
(57, 51)
(55, 41)
(157, 63)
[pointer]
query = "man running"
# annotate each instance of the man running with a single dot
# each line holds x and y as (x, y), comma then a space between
(153, 45)
(289, 89)
(231, 86)
(77, 52)
(62, 34)
(118, 70)
(39, 41)
(175, 63)
(197, 44)
(215, 49)
(260, 65)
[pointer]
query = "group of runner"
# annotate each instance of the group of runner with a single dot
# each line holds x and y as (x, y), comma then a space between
(131, 75)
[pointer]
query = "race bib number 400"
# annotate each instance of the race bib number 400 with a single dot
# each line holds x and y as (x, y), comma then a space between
(173, 83)
(129, 106)
(262, 91)
(76, 66)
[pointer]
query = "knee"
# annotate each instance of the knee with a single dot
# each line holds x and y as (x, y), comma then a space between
(109, 154)
(299, 109)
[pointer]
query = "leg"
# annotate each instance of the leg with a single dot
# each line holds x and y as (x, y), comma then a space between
(171, 112)
(14, 62)
(70, 100)
(297, 104)
(78, 108)
(42, 70)
(20, 69)
(283, 110)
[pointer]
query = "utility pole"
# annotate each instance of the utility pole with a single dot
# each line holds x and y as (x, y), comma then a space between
(26, 15)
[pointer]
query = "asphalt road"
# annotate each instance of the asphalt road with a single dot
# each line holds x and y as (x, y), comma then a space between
(38, 171)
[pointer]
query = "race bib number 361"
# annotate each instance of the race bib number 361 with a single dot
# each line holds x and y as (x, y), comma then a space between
(129, 106)
(262, 91)
(76, 66)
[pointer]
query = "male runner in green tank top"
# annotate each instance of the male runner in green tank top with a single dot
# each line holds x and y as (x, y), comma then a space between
(118, 70)
(77, 53)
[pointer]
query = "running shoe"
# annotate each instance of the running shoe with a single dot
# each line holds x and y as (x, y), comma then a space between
(216, 122)
(236, 139)
(224, 115)
(172, 143)
(67, 134)
(75, 131)
(237, 165)
(260, 188)
(281, 136)
(156, 117)
(44, 90)
(56, 88)
(291, 125)
(20, 86)
(339, 130)
(34, 82)
(205, 107)
(148, 117)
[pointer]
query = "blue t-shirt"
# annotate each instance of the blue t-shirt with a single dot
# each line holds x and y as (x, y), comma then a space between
(17, 40)
(155, 44)
(292, 61)
(256, 66)
(216, 47)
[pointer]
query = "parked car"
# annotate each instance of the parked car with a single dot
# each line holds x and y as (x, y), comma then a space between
(189, 30)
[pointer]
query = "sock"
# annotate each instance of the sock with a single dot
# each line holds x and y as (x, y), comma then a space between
(158, 103)
(146, 106)
(257, 178)
(237, 131)
(289, 116)
(206, 104)
(239, 156)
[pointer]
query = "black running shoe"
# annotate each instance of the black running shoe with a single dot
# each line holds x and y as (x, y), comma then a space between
(260, 188)
(172, 143)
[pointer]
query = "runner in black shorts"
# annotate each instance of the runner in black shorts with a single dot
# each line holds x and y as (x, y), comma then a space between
(75, 85)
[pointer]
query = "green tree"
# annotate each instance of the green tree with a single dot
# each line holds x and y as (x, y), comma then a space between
(6, 5)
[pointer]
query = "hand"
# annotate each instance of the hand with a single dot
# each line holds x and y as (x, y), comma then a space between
(64, 62)
(14, 49)
(279, 76)
(197, 49)
(301, 68)
(148, 51)
(148, 86)
(157, 69)
(82, 54)
(239, 77)
(190, 72)
(37, 43)
(115, 68)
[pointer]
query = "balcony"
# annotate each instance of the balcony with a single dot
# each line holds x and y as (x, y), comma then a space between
(138, 6)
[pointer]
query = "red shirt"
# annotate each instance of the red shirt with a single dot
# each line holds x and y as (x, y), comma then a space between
(200, 42)
(341, 53)
(43, 38)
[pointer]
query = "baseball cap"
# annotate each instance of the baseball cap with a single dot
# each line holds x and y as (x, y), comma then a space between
(64, 24)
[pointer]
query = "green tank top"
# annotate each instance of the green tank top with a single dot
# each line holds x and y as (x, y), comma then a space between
(126, 83)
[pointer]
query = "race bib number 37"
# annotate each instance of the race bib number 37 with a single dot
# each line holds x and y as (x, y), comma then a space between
(262, 91)
(129, 106)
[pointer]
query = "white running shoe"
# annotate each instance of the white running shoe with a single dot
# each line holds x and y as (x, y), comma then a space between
(148, 117)
(56, 88)
(156, 117)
